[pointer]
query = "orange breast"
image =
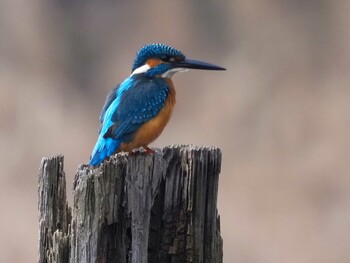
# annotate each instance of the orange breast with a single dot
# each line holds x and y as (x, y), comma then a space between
(150, 131)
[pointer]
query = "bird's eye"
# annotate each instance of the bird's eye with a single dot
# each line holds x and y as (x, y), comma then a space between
(168, 59)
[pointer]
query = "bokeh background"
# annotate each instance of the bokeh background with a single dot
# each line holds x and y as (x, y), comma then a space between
(280, 113)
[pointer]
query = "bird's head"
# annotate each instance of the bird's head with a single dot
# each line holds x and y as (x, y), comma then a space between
(162, 60)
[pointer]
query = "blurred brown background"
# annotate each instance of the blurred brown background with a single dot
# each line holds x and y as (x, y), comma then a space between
(280, 113)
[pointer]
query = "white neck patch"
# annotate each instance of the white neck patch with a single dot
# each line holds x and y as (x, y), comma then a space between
(142, 69)
(171, 72)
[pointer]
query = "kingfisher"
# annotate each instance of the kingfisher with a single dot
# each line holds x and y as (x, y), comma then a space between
(137, 110)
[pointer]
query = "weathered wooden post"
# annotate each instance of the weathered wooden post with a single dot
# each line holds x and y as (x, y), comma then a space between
(141, 208)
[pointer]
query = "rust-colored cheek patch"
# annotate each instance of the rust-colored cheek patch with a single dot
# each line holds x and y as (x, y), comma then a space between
(153, 62)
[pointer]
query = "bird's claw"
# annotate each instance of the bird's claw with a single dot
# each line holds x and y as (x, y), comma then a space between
(148, 150)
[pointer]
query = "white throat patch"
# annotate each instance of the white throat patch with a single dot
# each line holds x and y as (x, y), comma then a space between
(171, 72)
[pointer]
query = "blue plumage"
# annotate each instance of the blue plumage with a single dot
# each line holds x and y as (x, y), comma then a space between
(130, 105)
(156, 51)
(139, 104)
(148, 94)
(159, 70)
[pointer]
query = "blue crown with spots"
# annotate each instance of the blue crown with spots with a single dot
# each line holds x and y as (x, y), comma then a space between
(155, 51)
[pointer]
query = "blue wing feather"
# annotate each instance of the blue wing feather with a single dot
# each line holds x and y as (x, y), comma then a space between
(138, 105)
(109, 99)
(134, 102)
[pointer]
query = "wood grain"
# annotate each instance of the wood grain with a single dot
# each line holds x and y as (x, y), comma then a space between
(142, 208)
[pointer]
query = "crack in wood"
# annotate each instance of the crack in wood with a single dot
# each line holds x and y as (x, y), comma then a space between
(142, 208)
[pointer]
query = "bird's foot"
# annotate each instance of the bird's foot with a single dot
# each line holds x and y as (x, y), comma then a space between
(137, 151)
(148, 150)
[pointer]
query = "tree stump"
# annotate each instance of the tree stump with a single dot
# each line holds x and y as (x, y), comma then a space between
(141, 208)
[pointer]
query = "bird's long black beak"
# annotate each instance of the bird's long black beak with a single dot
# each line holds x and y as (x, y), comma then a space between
(196, 64)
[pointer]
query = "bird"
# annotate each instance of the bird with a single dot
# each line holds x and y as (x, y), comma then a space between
(137, 110)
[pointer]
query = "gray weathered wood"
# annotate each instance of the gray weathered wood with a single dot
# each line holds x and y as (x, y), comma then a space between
(140, 208)
(54, 214)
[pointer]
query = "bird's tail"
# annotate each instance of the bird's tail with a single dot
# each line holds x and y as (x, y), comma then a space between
(104, 148)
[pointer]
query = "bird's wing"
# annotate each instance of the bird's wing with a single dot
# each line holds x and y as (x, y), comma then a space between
(133, 106)
(109, 99)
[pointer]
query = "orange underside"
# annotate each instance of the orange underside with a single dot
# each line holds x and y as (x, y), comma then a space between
(150, 131)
